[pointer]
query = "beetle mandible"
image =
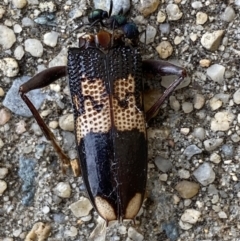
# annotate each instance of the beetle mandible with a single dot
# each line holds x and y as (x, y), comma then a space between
(105, 81)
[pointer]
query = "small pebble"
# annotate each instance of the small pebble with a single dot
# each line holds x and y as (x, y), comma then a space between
(134, 235)
(163, 164)
(161, 17)
(53, 124)
(222, 215)
(14, 102)
(193, 36)
(66, 122)
(204, 174)
(149, 35)
(4, 116)
(164, 28)
(196, 5)
(187, 189)
(227, 150)
(228, 15)
(163, 177)
(50, 38)
(198, 101)
(199, 133)
(17, 28)
(63, 190)
(205, 63)
(72, 232)
(216, 73)
(2, 93)
(211, 41)
(7, 37)
(81, 208)
(174, 103)
(3, 172)
(40, 232)
(201, 18)
(173, 12)
(236, 97)
(187, 107)
(164, 49)
(45, 209)
(1, 143)
(34, 47)
(3, 187)
(19, 3)
(190, 216)
(215, 103)
(20, 127)
(222, 121)
(171, 229)
(19, 52)
(183, 174)
(184, 225)
(184, 131)
(47, 7)
(148, 7)
(191, 150)
(2, 11)
(212, 144)
(9, 66)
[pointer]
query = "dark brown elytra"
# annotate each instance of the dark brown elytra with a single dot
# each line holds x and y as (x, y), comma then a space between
(105, 80)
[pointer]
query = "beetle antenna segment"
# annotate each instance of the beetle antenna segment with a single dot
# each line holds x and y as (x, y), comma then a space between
(110, 9)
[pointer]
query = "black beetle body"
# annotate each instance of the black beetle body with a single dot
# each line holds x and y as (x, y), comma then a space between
(106, 89)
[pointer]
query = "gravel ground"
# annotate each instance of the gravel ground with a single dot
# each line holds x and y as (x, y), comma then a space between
(193, 189)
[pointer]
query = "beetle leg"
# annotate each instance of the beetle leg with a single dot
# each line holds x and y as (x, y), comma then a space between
(41, 80)
(163, 68)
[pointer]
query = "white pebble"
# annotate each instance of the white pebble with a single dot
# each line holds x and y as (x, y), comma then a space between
(17, 28)
(173, 12)
(60, 59)
(174, 103)
(63, 190)
(216, 73)
(236, 97)
(66, 122)
(34, 47)
(19, 52)
(47, 7)
(2, 11)
(45, 209)
(19, 3)
(134, 235)
(187, 107)
(198, 101)
(7, 37)
(190, 216)
(201, 18)
(3, 186)
(9, 66)
(222, 215)
(161, 17)
(81, 208)
(211, 41)
(50, 38)
(222, 121)
(215, 103)
(197, 5)
(3, 172)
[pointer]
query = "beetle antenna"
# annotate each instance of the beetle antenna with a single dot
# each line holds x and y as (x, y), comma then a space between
(110, 9)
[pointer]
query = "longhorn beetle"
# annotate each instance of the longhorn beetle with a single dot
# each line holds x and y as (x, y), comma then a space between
(105, 81)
